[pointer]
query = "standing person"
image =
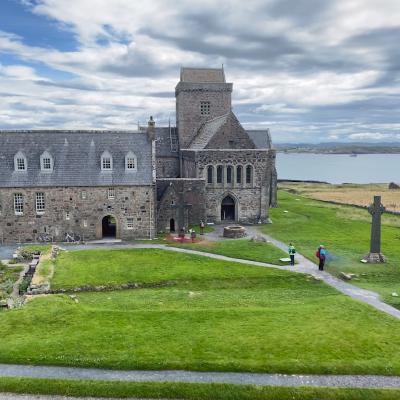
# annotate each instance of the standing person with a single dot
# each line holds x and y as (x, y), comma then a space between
(321, 254)
(201, 227)
(292, 252)
(193, 235)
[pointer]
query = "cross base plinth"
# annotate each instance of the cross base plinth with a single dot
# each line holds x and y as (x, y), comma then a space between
(374, 258)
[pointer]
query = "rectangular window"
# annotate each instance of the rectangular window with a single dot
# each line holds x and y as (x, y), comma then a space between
(18, 203)
(85, 223)
(83, 194)
(106, 163)
(129, 223)
(20, 164)
(46, 163)
(239, 174)
(205, 108)
(40, 202)
(130, 163)
(111, 194)
(248, 174)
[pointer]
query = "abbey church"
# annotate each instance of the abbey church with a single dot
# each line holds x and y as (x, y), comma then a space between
(131, 184)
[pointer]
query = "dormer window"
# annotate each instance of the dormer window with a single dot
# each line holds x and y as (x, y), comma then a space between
(46, 162)
(130, 162)
(106, 161)
(205, 108)
(20, 163)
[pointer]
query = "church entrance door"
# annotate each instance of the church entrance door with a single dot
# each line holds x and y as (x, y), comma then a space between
(109, 226)
(172, 225)
(228, 209)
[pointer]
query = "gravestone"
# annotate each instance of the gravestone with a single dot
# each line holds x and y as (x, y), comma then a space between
(376, 210)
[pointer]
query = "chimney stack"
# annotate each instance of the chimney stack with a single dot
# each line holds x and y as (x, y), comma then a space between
(151, 129)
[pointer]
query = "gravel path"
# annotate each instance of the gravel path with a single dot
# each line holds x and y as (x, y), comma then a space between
(346, 381)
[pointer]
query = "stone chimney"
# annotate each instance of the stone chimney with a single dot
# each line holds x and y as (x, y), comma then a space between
(151, 129)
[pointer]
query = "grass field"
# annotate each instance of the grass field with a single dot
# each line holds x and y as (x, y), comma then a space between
(347, 193)
(189, 391)
(345, 231)
(239, 248)
(216, 316)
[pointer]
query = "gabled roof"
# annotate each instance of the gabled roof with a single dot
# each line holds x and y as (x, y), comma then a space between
(202, 75)
(261, 138)
(76, 156)
(207, 131)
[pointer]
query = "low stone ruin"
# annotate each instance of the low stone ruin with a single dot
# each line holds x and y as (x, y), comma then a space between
(234, 231)
(394, 186)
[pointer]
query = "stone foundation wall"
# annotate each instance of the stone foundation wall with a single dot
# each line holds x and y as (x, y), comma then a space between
(77, 210)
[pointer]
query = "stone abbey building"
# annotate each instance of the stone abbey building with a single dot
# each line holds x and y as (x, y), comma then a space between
(130, 184)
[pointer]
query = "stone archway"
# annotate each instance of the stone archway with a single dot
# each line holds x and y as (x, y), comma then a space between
(109, 227)
(228, 208)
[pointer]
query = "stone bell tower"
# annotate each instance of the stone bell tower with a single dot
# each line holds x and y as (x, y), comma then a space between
(201, 95)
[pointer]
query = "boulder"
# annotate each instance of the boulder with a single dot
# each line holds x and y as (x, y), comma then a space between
(393, 185)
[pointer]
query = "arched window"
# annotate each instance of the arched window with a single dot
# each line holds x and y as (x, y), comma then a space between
(20, 163)
(210, 174)
(229, 174)
(249, 174)
(220, 170)
(239, 171)
(130, 162)
(46, 162)
(106, 161)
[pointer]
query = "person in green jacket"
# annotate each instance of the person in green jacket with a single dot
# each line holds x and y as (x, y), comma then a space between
(292, 252)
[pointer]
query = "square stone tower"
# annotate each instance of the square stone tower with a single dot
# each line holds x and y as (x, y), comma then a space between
(202, 94)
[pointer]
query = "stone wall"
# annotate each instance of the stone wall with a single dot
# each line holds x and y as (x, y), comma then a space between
(193, 194)
(188, 99)
(252, 200)
(167, 167)
(78, 210)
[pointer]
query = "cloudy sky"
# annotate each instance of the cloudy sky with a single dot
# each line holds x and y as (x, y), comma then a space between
(310, 70)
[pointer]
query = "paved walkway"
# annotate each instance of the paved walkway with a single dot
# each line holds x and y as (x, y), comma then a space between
(238, 378)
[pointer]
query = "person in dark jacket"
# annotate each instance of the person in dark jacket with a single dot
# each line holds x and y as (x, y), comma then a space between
(292, 252)
(321, 254)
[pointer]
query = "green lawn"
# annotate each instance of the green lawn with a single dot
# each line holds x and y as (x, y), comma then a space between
(240, 248)
(189, 391)
(345, 231)
(217, 316)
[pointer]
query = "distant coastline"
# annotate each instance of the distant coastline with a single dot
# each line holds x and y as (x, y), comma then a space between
(339, 148)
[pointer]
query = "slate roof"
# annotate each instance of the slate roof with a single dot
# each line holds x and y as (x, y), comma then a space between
(202, 75)
(261, 138)
(76, 156)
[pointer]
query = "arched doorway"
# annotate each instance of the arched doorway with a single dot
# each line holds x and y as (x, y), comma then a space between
(228, 209)
(109, 227)
(172, 225)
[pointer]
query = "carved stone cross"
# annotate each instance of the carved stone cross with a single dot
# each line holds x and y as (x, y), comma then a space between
(181, 206)
(376, 210)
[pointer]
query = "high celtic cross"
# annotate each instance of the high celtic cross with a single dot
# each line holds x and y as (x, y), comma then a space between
(181, 206)
(376, 210)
